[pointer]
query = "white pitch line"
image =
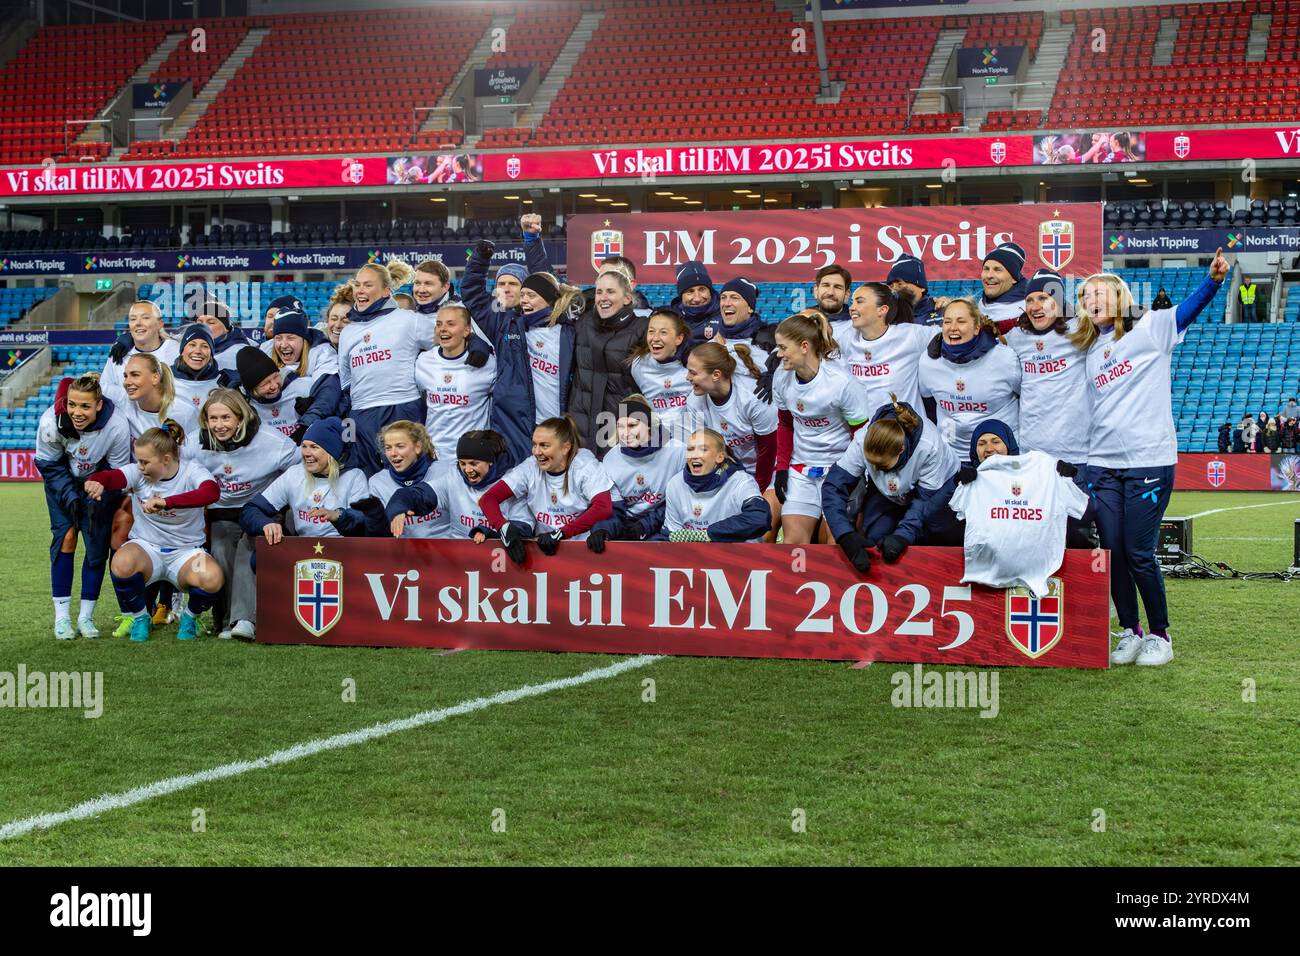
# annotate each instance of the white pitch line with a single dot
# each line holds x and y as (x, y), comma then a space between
(127, 798)
(1271, 504)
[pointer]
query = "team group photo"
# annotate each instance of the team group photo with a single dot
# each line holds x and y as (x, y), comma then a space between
(561, 449)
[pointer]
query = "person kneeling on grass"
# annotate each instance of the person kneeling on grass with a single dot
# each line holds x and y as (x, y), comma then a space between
(910, 473)
(713, 498)
(325, 499)
(166, 543)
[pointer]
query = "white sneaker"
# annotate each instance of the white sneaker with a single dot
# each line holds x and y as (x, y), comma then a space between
(1128, 648)
(224, 635)
(87, 628)
(243, 630)
(1155, 651)
(64, 630)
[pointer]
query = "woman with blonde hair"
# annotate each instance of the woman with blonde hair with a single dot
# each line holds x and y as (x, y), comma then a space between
(144, 335)
(150, 392)
(819, 409)
(413, 487)
(377, 353)
(336, 315)
(166, 543)
(606, 335)
(294, 344)
(458, 394)
(712, 498)
(1133, 445)
(970, 373)
(244, 458)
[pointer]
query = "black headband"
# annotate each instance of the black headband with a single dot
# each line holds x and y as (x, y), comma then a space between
(478, 449)
(542, 286)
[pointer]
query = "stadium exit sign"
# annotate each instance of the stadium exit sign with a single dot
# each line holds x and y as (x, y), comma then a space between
(103, 285)
(990, 80)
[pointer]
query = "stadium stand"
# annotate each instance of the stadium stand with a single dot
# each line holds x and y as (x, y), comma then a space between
(15, 303)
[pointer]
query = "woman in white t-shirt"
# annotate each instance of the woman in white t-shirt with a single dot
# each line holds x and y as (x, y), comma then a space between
(413, 483)
(713, 498)
(656, 366)
(1133, 446)
(566, 488)
(640, 466)
(144, 335)
(820, 407)
(883, 347)
(459, 395)
(168, 496)
(970, 373)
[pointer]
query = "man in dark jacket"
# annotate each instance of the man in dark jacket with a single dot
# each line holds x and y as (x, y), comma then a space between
(606, 335)
(1162, 300)
(1225, 437)
(907, 277)
(1290, 433)
(501, 321)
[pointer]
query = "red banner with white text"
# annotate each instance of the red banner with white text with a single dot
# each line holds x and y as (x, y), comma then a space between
(711, 600)
(18, 466)
(1237, 472)
(791, 245)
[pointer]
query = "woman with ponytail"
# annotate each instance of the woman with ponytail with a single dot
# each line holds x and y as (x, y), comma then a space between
(294, 344)
(911, 475)
(168, 497)
(413, 485)
(150, 392)
(550, 311)
(482, 458)
(1133, 446)
(606, 336)
(657, 369)
(883, 346)
(82, 433)
(713, 498)
(640, 466)
(144, 335)
(566, 489)
(244, 458)
(820, 407)
(970, 373)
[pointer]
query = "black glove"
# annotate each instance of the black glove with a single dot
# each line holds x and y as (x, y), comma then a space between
(967, 473)
(892, 548)
(300, 405)
(476, 358)
(855, 547)
(549, 541)
(1066, 470)
(298, 431)
(514, 543)
(596, 541)
(779, 483)
(935, 347)
(485, 248)
(123, 345)
(763, 388)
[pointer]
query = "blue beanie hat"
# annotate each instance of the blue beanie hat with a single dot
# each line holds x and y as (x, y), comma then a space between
(691, 274)
(739, 285)
(1045, 280)
(1010, 257)
(286, 303)
(328, 433)
(290, 322)
(513, 269)
(907, 269)
(196, 331)
(996, 427)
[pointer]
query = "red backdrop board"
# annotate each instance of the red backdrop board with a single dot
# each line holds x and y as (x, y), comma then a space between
(791, 245)
(743, 600)
(1237, 472)
(19, 466)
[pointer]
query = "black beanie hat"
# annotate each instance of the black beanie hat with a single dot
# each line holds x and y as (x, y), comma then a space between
(254, 367)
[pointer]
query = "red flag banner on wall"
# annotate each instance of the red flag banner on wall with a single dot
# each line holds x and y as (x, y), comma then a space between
(791, 245)
(1237, 472)
(742, 600)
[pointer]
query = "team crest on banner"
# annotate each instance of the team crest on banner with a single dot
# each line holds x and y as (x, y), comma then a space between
(1182, 146)
(1034, 625)
(1216, 472)
(605, 243)
(354, 173)
(997, 152)
(318, 594)
(1056, 243)
(513, 167)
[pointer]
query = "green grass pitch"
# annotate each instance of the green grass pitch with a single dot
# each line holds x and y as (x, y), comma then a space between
(714, 771)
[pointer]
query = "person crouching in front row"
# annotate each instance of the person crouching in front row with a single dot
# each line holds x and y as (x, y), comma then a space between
(713, 498)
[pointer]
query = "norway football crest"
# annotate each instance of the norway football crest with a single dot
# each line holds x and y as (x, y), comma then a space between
(1182, 146)
(1216, 472)
(446, 378)
(798, 407)
(83, 450)
(513, 167)
(196, 400)
(866, 355)
(605, 243)
(1056, 243)
(275, 411)
(228, 469)
(354, 173)
(997, 152)
(640, 479)
(697, 510)
(960, 385)
(318, 594)
(1039, 345)
(891, 485)
(366, 338)
(1034, 625)
(1015, 489)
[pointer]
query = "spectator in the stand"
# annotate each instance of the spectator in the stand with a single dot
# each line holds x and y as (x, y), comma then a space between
(1225, 437)
(1290, 432)
(1249, 433)
(1272, 437)
(1292, 409)
(1239, 436)
(1261, 424)
(1162, 300)
(1247, 292)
